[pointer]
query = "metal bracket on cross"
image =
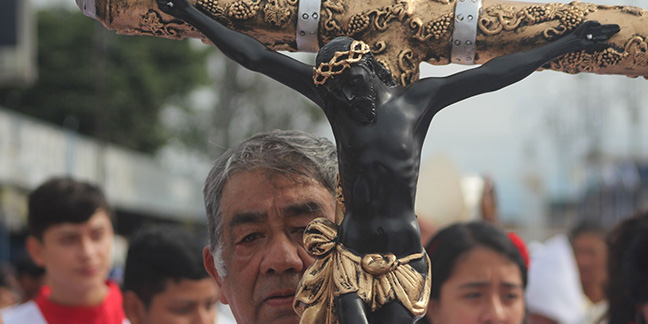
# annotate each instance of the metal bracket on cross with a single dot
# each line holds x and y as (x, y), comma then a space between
(465, 31)
(307, 25)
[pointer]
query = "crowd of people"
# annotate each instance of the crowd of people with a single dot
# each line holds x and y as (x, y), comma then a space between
(260, 196)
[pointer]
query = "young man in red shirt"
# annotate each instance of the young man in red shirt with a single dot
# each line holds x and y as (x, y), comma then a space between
(71, 235)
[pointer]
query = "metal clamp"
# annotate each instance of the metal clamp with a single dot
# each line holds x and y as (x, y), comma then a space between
(307, 25)
(465, 31)
(88, 7)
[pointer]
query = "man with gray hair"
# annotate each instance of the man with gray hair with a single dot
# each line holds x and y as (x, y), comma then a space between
(259, 197)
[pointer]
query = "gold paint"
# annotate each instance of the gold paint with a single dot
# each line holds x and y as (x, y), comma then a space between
(436, 28)
(422, 26)
(377, 279)
(242, 9)
(278, 12)
(637, 52)
(217, 12)
(406, 65)
(340, 61)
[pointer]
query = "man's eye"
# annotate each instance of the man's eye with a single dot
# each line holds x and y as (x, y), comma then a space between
(67, 240)
(251, 237)
(511, 296)
(299, 230)
(184, 310)
(474, 295)
(97, 236)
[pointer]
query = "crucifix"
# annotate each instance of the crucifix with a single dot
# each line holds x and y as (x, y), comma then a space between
(371, 267)
(403, 33)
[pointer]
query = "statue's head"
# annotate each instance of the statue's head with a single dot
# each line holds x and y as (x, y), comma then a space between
(348, 71)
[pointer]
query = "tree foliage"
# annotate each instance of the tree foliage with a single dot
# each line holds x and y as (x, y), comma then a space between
(241, 104)
(109, 86)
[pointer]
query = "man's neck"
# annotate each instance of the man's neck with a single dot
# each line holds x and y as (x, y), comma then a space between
(383, 93)
(594, 293)
(64, 295)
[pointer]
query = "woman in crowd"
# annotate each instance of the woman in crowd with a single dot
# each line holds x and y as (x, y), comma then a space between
(479, 274)
(627, 288)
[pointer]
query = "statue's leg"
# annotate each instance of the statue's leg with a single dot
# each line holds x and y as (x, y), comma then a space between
(352, 310)
(393, 312)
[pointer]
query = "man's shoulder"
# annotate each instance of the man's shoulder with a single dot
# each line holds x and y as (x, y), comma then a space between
(23, 313)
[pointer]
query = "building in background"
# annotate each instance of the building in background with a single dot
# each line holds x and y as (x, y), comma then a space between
(17, 43)
(140, 190)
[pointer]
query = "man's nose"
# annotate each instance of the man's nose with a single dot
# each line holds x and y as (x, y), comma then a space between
(282, 254)
(495, 312)
(86, 247)
(348, 93)
(204, 315)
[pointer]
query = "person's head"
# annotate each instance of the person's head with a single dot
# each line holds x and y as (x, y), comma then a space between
(8, 287)
(165, 281)
(30, 277)
(70, 234)
(478, 276)
(259, 197)
(627, 285)
(588, 241)
(488, 203)
(349, 72)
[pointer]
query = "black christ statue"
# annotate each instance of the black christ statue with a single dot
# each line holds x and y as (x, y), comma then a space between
(379, 129)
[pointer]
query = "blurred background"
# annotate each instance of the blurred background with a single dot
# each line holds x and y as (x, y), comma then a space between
(145, 117)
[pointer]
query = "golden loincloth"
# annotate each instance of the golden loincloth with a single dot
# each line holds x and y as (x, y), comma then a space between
(377, 279)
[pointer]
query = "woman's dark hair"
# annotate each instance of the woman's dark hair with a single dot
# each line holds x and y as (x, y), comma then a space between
(587, 226)
(627, 285)
(447, 246)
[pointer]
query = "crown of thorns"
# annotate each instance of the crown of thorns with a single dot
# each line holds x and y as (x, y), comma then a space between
(339, 62)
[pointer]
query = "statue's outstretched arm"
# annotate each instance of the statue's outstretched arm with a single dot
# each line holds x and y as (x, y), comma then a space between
(246, 50)
(506, 70)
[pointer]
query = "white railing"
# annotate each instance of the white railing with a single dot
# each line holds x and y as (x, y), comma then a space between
(32, 151)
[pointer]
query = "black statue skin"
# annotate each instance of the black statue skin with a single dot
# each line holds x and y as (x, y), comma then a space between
(379, 130)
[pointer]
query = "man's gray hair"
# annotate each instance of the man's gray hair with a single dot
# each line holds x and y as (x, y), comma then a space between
(287, 152)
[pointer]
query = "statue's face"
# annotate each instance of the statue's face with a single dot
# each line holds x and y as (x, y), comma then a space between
(355, 88)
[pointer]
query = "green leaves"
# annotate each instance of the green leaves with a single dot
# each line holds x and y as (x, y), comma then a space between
(109, 86)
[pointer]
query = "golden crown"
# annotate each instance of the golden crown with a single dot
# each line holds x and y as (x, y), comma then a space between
(339, 62)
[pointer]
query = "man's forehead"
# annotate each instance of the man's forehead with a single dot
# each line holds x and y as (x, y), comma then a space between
(277, 179)
(250, 195)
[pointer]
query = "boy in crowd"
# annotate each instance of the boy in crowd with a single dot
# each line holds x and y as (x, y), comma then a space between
(165, 281)
(70, 235)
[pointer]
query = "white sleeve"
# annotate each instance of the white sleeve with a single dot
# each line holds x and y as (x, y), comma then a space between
(23, 313)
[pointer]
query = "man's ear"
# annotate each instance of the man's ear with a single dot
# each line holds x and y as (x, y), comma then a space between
(134, 308)
(35, 249)
(208, 262)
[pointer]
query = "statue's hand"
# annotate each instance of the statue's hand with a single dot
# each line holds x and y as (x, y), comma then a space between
(593, 36)
(173, 7)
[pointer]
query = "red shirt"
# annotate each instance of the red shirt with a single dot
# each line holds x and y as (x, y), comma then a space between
(110, 311)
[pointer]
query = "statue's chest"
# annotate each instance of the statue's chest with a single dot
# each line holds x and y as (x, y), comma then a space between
(390, 136)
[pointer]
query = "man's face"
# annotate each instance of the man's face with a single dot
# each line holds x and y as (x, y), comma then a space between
(182, 302)
(76, 256)
(355, 88)
(264, 217)
(590, 251)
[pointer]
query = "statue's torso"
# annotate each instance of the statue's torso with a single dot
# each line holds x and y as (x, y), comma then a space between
(379, 166)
